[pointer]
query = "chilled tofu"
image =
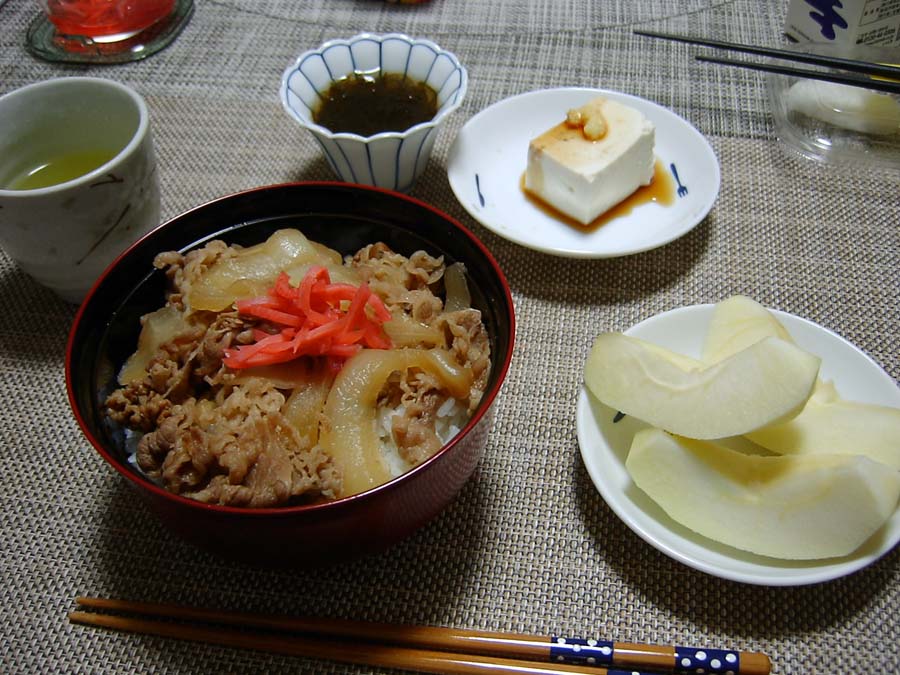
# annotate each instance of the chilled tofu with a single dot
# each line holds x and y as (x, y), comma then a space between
(593, 160)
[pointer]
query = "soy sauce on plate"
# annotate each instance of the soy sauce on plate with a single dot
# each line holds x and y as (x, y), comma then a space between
(370, 104)
(660, 190)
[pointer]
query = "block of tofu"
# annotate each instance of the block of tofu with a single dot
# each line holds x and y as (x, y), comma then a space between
(582, 175)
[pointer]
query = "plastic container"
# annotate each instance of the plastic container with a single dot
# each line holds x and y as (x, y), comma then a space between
(838, 124)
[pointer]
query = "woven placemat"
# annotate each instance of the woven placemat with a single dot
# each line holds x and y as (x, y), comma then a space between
(529, 545)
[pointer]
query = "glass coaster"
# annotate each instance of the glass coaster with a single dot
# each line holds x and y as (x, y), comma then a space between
(42, 40)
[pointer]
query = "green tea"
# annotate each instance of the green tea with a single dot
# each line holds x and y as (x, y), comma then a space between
(59, 169)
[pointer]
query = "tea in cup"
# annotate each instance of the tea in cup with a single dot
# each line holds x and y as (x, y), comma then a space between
(78, 179)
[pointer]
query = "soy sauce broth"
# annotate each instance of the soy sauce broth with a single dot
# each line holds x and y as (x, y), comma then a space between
(368, 104)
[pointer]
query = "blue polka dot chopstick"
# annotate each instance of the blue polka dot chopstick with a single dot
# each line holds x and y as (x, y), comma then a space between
(429, 649)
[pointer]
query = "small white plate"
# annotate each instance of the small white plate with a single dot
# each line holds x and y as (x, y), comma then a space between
(488, 158)
(604, 447)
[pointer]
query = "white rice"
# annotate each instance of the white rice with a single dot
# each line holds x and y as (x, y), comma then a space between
(452, 416)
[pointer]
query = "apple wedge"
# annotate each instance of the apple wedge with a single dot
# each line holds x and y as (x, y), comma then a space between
(768, 382)
(738, 322)
(827, 424)
(806, 507)
(837, 427)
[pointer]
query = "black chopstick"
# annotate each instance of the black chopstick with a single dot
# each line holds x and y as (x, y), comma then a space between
(852, 65)
(853, 80)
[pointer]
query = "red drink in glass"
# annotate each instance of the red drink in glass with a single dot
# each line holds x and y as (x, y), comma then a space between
(106, 18)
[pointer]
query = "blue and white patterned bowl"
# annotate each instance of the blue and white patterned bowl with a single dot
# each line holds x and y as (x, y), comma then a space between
(392, 160)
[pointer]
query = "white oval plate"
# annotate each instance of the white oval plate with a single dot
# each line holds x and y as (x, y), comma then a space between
(604, 447)
(489, 155)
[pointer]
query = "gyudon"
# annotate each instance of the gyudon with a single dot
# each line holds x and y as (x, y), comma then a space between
(281, 373)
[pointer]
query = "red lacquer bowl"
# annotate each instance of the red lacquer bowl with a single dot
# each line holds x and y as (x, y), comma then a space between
(344, 217)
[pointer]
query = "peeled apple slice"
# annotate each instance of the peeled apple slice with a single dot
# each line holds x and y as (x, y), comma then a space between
(763, 384)
(791, 507)
(738, 322)
(827, 424)
(837, 427)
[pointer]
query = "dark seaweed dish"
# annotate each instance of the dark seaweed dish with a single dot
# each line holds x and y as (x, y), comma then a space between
(367, 105)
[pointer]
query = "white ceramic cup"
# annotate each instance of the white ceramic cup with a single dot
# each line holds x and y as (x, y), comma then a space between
(65, 235)
(391, 159)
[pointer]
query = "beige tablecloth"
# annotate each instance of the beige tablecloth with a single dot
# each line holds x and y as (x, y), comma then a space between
(529, 545)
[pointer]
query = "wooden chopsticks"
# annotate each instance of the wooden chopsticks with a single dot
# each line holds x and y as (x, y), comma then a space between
(868, 71)
(427, 649)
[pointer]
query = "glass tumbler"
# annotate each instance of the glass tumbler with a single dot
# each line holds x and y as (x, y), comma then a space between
(105, 20)
(105, 31)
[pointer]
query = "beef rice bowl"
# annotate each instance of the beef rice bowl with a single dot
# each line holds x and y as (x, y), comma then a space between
(273, 428)
(285, 373)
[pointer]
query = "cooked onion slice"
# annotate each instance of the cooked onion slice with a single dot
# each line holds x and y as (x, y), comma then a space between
(303, 408)
(158, 328)
(406, 331)
(351, 434)
(253, 270)
(458, 296)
